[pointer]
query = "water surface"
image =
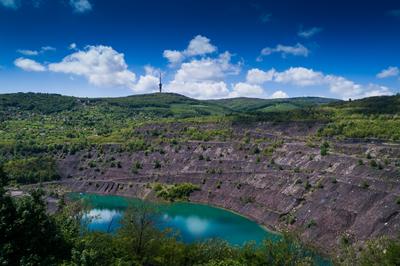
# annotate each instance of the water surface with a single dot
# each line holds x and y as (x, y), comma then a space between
(193, 222)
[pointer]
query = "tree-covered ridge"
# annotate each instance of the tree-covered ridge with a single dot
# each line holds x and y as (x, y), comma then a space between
(173, 104)
(41, 122)
(272, 105)
(378, 105)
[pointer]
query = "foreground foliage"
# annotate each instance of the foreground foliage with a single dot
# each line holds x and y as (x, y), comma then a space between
(30, 236)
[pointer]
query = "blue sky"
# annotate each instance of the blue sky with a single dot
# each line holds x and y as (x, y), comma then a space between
(205, 49)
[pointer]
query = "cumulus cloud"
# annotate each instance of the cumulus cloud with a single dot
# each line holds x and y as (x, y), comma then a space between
(299, 76)
(284, 50)
(100, 65)
(174, 57)
(279, 94)
(149, 82)
(243, 89)
(257, 76)
(80, 6)
(199, 45)
(200, 89)
(343, 87)
(12, 4)
(29, 65)
(305, 77)
(389, 72)
(42, 50)
(340, 86)
(146, 83)
(204, 78)
(308, 33)
(207, 69)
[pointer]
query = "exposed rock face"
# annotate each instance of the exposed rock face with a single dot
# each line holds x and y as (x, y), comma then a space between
(271, 173)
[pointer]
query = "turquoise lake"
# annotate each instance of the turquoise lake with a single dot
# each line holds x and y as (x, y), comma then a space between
(193, 222)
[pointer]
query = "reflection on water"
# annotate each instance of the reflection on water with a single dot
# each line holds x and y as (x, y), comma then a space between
(193, 222)
(98, 216)
(196, 226)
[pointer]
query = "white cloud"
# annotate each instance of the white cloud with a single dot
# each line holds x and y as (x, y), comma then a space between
(174, 57)
(200, 89)
(204, 78)
(28, 52)
(149, 82)
(146, 83)
(343, 87)
(284, 50)
(389, 72)
(243, 89)
(100, 65)
(47, 48)
(80, 6)
(308, 33)
(149, 70)
(13, 4)
(72, 46)
(376, 90)
(200, 77)
(42, 50)
(29, 65)
(279, 94)
(340, 86)
(257, 76)
(299, 76)
(199, 45)
(206, 69)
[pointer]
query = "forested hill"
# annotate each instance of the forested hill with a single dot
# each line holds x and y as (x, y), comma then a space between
(23, 114)
(163, 105)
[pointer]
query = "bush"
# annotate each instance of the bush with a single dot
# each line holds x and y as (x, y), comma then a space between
(175, 192)
(31, 170)
(311, 223)
(157, 164)
(364, 184)
(324, 149)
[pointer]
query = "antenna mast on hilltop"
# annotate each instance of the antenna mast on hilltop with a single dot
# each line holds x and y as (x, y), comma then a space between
(160, 84)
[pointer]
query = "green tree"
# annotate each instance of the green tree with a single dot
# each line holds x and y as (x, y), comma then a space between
(137, 230)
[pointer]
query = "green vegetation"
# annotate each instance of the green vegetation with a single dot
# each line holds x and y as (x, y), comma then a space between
(36, 124)
(311, 223)
(324, 149)
(380, 251)
(374, 117)
(32, 237)
(271, 105)
(136, 167)
(31, 170)
(175, 192)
